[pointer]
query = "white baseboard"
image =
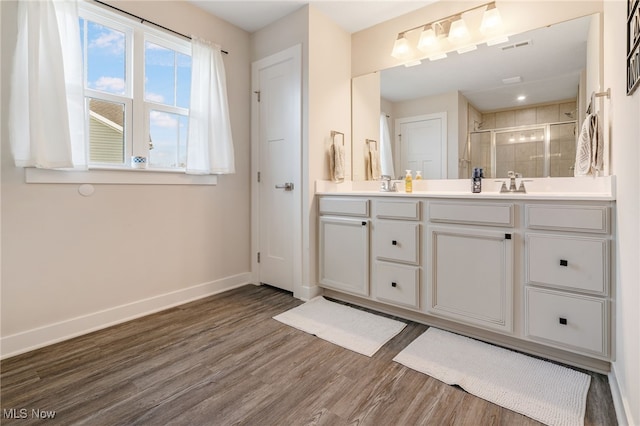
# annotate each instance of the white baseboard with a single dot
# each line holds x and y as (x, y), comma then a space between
(26, 341)
(618, 402)
(307, 293)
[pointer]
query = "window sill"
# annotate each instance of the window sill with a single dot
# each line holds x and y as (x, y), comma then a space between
(118, 177)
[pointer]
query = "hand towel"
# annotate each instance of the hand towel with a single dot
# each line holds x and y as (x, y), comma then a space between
(589, 149)
(374, 158)
(336, 162)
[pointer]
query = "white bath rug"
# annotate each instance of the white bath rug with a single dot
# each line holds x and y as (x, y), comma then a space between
(542, 390)
(342, 325)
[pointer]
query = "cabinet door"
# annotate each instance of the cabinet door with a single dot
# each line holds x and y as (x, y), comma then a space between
(470, 276)
(344, 254)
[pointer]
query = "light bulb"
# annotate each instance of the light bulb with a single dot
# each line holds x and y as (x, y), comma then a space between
(401, 48)
(428, 40)
(458, 32)
(491, 20)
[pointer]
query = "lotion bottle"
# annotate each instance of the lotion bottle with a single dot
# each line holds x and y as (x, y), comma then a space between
(408, 182)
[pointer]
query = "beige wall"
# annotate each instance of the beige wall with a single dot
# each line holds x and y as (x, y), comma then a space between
(622, 125)
(73, 263)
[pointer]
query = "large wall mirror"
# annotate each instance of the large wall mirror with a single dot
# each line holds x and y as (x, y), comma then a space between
(449, 116)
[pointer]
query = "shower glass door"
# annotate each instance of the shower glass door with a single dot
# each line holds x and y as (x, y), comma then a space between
(533, 151)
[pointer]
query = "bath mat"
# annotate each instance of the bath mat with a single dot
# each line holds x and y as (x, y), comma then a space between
(353, 329)
(541, 390)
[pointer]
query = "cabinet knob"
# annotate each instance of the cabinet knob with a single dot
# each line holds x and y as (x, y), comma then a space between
(364, 223)
(394, 284)
(562, 321)
(564, 262)
(394, 242)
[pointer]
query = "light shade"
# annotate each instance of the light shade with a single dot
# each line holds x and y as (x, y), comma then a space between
(428, 40)
(401, 48)
(458, 32)
(491, 20)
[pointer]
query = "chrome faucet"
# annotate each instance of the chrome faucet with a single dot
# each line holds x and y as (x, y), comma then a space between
(512, 184)
(387, 185)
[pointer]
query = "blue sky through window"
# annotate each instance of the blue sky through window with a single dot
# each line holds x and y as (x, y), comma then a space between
(167, 81)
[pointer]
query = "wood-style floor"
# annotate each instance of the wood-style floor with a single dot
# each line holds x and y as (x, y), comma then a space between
(223, 360)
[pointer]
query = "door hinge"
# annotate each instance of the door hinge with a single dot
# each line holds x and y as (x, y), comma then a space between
(258, 257)
(257, 92)
(258, 176)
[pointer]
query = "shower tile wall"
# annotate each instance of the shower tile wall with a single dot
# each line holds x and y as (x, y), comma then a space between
(562, 150)
(528, 116)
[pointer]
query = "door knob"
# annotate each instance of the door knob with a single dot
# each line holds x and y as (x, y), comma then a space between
(287, 186)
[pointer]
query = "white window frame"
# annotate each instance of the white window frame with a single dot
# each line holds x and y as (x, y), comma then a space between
(137, 126)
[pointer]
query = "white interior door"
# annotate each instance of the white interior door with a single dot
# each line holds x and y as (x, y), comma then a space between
(422, 142)
(276, 124)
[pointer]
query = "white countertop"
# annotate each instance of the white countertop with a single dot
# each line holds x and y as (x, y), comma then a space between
(582, 188)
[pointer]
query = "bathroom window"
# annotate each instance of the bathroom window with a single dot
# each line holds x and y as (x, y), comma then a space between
(137, 92)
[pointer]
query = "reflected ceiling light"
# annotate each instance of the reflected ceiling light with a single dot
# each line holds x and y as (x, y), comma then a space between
(491, 20)
(438, 56)
(455, 30)
(469, 48)
(458, 33)
(401, 48)
(412, 63)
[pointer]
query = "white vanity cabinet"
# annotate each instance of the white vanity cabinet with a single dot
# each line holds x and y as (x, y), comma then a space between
(396, 252)
(529, 272)
(344, 244)
(470, 263)
(567, 276)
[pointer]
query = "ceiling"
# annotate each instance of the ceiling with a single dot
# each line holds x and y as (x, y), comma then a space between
(353, 16)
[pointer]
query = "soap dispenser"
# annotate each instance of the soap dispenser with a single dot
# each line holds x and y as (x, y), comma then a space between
(476, 180)
(408, 182)
(418, 175)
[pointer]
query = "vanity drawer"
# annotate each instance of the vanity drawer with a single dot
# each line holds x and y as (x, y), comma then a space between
(567, 218)
(395, 209)
(397, 284)
(397, 241)
(575, 322)
(493, 214)
(567, 262)
(344, 206)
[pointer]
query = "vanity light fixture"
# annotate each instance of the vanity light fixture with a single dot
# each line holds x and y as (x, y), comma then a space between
(458, 33)
(451, 33)
(401, 48)
(521, 98)
(428, 39)
(491, 20)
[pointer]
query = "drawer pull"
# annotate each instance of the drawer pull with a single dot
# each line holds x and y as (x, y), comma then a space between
(394, 242)
(564, 262)
(394, 284)
(507, 236)
(364, 223)
(562, 321)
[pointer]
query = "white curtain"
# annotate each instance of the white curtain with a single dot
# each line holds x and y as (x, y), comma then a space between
(46, 109)
(386, 156)
(209, 145)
